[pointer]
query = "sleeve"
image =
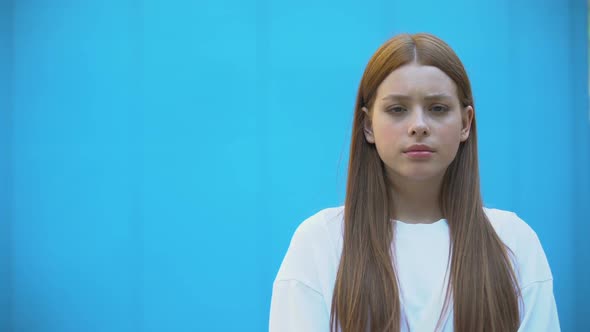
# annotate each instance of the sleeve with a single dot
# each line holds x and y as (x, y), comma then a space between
(298, 303)
(296, 307)
(540, 310)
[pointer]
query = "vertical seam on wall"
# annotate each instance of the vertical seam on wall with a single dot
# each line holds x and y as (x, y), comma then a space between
(515, 175)
(9, 159)
(573, 168)
(263, 67)
(136, 164)
(578, 35)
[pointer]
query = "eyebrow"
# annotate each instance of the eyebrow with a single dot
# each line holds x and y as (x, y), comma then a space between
(432, 96)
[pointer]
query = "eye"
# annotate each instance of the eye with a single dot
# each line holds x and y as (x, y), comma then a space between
(439, 108)
(396, 109)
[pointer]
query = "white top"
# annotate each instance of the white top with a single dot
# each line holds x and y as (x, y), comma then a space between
(303, 288)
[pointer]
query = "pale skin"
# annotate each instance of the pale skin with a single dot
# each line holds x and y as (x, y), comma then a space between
(417, 104)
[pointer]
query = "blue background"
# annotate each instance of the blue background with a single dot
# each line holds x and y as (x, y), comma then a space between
(156, 156)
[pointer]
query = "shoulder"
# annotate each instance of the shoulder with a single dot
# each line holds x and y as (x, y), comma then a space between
(509, 226)
(314, 250)
(525, 247)
(326, 222)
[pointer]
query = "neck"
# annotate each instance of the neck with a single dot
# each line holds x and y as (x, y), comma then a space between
(417, 201)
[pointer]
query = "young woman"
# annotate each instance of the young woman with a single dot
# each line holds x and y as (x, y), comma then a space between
(413, 248)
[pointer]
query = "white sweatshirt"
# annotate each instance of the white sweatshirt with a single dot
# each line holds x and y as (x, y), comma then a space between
(302, 291)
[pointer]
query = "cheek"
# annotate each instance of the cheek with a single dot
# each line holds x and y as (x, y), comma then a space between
(387, 132)
(449, 138)
(451, 135)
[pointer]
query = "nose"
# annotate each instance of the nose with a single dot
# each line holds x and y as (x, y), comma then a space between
(418, 125)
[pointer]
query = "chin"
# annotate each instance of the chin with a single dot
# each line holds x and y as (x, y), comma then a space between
(420, 174)
(416, 171)
(421, 177)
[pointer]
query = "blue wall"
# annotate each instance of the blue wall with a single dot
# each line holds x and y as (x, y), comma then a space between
(156, 156)
(5, 162)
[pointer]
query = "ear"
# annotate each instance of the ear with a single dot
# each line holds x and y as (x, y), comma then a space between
(367, 126)
(466, 119)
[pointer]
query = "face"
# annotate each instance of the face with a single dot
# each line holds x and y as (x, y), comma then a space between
(417, 122)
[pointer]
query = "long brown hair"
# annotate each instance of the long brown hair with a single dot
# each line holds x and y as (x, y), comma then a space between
(483, 286)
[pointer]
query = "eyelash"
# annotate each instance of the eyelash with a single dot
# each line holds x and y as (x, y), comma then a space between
(395, 108)
(400, 109)
(444, 108)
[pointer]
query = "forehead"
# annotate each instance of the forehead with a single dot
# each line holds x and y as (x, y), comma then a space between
(417, 80)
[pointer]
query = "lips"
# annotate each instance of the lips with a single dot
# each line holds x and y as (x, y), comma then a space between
(419, 148)
(419, 152)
